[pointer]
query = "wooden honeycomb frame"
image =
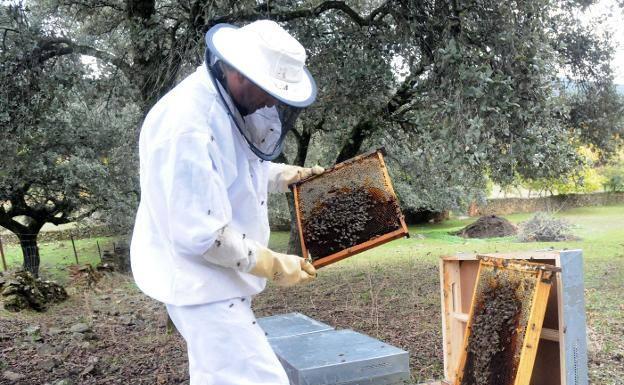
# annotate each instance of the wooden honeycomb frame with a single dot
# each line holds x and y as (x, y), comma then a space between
(562, 351)
(402, 231)
(533, 282)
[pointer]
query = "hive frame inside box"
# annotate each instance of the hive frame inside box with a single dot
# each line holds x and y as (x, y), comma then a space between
(402, 231)
(562, 351)
(534, 282)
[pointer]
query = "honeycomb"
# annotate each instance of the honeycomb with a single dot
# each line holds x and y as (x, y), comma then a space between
(346, 206)
(501, 311)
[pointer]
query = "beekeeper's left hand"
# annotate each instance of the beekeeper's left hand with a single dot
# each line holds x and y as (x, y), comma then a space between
(287, 174)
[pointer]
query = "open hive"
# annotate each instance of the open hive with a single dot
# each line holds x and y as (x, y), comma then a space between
(505, 322)
(347, 209)
(561, 357)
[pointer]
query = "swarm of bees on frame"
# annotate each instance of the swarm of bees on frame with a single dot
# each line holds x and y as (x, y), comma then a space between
(498, 327)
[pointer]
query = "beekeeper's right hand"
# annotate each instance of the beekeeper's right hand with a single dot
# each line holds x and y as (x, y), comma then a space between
(235, 250)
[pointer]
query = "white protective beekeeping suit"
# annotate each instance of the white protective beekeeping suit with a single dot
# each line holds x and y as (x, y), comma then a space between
(201, 232)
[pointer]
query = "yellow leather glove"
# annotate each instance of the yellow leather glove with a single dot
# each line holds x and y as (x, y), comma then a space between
(283, 269)
(287, 174)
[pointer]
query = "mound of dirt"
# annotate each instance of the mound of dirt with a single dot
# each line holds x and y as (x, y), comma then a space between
(489, 226)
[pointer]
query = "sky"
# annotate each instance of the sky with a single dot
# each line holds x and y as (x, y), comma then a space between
(614, 24)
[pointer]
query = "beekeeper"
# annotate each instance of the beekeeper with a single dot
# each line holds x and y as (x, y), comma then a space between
(201, 231)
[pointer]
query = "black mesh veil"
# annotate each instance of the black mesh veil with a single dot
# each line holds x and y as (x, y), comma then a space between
(264, 130)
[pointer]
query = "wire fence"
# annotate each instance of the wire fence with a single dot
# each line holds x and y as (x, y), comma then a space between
(31, 251)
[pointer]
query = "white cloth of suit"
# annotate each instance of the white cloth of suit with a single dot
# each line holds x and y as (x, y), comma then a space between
(198, 176)
(225, 344)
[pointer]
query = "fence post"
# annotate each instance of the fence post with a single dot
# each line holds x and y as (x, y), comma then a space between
(99, 251)
(74, 246)
(4, 265)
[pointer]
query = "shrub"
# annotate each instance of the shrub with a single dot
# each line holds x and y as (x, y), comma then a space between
(543, 227)
(614, 174)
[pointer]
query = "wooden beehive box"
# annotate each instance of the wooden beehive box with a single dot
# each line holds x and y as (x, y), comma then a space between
(562, 351)
(505, 322)
(348, 209)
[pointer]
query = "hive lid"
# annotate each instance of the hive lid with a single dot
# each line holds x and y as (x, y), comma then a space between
(291, 324)
(341, 357)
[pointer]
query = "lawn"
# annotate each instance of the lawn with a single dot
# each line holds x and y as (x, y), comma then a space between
(393, 291)
(390, 292)
(56, 256)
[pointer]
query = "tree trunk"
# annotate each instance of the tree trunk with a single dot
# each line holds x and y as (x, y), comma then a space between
(353, 144)
(30, 250)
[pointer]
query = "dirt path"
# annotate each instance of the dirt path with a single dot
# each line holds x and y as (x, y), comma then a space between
(113, 334)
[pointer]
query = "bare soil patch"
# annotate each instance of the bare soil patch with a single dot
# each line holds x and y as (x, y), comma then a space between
(398, 304)
(113, 334)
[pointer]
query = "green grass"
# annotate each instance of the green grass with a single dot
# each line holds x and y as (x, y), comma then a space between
(601, 232)
(386, 290)
(57, 255)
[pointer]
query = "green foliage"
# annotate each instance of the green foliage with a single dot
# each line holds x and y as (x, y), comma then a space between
(613, 174)
(597, 116)
(66, 142)
(480, 107)
(453, 90)
(586, 179)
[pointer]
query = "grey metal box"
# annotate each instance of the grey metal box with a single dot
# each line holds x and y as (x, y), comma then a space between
(291, 324)
(341, 357)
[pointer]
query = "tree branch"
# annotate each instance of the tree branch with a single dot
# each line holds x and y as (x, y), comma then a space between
(142, 9)
(296, 134)
(51, 47)
(264, 10)
(366, 125)
(10, 224)
(93, 4)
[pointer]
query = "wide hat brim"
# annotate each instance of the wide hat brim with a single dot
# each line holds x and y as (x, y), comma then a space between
(227, 44)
